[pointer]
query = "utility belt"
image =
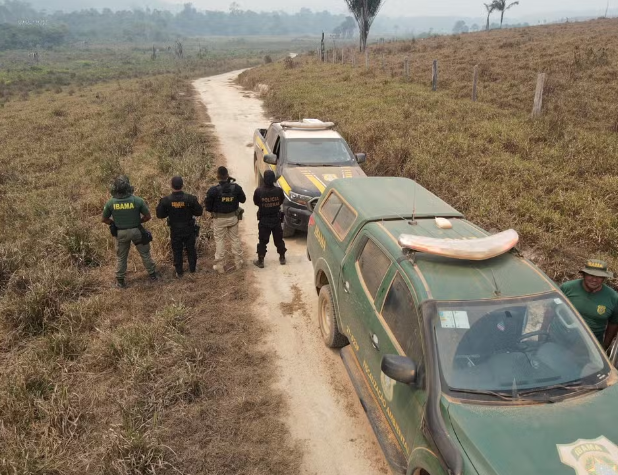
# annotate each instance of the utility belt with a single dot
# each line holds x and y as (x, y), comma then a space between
(238, 213)
(186, 228)
(146, 235)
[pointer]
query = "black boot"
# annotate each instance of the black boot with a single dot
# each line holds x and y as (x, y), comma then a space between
(259, 262)
(282, 259)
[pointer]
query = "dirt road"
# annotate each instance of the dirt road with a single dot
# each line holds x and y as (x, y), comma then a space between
(325, 415)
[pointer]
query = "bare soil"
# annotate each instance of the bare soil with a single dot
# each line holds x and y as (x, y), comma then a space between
(324, 412)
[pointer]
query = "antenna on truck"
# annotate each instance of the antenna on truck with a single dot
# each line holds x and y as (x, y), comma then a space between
(413, 222)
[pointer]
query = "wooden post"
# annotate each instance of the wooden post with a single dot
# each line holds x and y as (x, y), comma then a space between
(334, 55)
(406, 68)
(538, 96)
(383, 62)
(342, 55)
(353, 59)
(366, 58)
(475, 79)
(434, 75)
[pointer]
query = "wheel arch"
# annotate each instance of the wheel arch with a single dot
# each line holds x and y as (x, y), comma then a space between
(423, 461)
(324, 276)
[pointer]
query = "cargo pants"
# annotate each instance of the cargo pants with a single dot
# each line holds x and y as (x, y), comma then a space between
(225, 228)
(123, 245)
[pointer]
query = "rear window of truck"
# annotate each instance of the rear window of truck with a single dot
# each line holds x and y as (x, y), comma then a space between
(337, 214)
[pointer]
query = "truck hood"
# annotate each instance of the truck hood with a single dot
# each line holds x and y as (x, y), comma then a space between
(505, 440)
(312, 181)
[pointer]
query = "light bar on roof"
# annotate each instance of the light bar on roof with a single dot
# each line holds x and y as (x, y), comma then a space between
(469, 249)
(314, 124)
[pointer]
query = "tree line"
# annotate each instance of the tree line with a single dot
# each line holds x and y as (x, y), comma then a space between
(159, 25)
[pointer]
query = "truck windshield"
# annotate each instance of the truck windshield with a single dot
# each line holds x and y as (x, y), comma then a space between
(514, 345)
(316, 152)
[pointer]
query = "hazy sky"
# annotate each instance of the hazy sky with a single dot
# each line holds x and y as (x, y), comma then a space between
(470, 8)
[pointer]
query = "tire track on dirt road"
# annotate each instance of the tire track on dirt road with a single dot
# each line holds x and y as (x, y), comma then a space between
(324, 412)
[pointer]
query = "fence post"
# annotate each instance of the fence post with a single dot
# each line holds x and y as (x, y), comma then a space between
(342, 55)
(383, 62)
(366, 58)
(434, 75)
(353, 59)
(475, 79)
(538, 96)
(406, 68)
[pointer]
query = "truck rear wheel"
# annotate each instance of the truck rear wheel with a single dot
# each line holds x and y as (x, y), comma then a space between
(328, 320)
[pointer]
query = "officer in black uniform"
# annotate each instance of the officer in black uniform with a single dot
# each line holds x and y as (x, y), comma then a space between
(180, 209)
(268, 199)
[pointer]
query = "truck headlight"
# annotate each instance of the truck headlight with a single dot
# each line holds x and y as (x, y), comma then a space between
(299, 199)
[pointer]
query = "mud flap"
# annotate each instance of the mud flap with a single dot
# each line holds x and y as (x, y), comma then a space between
(382, 429)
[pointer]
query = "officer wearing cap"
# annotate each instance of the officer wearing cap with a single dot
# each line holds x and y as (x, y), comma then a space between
(180, 209)
(596, 302)
(223, 202)
(125, 213)
(269, 198)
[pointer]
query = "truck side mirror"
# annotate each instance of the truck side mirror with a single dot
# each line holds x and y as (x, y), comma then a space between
(360, 157)
(312, 203)
(270, 158)
(399, 368)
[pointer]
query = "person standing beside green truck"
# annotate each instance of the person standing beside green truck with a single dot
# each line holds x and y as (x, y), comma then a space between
(596, 302)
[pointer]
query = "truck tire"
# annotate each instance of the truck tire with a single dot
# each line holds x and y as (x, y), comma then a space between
(288, 231)
(328, 320)
(259, 180)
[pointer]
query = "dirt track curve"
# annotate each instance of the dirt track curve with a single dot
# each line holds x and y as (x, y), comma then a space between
(325, 414)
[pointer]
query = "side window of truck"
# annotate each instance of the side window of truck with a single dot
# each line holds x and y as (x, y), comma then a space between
(399, 312)
(271, 136)
(337, 214)
(277, 147)
(373, 264)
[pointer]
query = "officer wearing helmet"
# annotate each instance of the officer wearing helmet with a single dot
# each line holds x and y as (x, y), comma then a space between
(269, 198)
(180, 209)
(125, 213)
(596, 302)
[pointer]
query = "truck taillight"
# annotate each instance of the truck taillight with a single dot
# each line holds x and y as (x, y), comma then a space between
(311, 220)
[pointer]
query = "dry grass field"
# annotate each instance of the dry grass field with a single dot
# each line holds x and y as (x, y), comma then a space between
(554, 179)
(155, 379)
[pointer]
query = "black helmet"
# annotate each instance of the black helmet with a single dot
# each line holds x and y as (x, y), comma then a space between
(121, 187)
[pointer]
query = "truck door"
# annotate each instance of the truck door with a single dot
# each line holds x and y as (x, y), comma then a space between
(399, 333)
(363, 269)
(271, 138)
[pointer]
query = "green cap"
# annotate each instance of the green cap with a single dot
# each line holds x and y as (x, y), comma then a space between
(597, 268)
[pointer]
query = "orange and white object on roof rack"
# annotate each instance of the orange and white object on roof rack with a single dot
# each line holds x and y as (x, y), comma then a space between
(479, 249)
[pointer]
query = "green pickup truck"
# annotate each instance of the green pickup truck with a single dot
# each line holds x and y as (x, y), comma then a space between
(466, 357)
(306, 156)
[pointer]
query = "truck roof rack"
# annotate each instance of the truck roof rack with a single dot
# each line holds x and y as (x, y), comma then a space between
(308, 124)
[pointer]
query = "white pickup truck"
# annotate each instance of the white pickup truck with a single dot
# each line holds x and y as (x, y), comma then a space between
(305, 157)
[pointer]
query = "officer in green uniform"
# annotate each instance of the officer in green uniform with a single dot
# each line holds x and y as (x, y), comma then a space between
(596, 302)
(125, 214)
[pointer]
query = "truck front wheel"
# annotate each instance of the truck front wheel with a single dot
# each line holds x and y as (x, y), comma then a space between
(328, 320)
(288, 231)
(259, 181)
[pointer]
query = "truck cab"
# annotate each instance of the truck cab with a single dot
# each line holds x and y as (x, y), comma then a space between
(305, 156)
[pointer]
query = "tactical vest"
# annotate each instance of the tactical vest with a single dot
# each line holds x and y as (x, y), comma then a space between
(180, 213)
